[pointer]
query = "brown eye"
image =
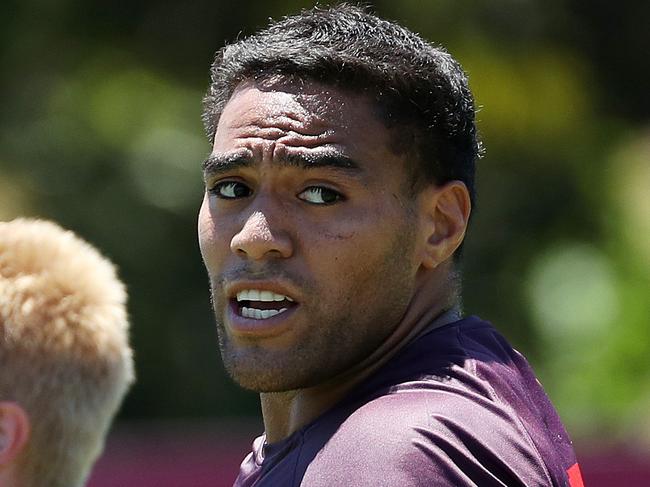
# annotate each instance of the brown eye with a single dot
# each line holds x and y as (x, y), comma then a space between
(319, 195)
(230, 190)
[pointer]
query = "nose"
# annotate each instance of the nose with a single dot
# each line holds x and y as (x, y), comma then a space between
(257, 240)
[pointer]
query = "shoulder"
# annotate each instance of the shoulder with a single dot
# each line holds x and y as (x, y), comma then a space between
(443, 435)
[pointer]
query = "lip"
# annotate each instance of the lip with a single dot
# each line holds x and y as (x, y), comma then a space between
(250, 327)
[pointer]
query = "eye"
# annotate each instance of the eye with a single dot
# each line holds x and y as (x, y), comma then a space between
(319, 195)
(230, 190)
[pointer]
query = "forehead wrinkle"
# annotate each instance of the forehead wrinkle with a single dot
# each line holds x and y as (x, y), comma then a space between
(283, 125)
(305, 123)
(292, 115)
(275, 120)
(307, 113)
(289, 134)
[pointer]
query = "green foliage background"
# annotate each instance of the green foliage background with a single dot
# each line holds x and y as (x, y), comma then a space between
(100, 130)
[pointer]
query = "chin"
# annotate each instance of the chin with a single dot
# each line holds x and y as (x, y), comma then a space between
(262, 381)
(261, 372)
(256, 373)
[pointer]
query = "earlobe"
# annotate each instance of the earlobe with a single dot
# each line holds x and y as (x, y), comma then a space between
(447, 209)
(14, 431)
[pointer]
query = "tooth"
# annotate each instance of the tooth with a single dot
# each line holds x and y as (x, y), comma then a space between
(241, 296)
(257, 295)
(260, 314)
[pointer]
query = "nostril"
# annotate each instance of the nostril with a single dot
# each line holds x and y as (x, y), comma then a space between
(256, 240)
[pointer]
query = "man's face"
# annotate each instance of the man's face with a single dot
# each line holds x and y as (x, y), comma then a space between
(307, 232)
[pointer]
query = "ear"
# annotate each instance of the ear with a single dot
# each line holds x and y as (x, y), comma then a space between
(14, 431)
(445, 210)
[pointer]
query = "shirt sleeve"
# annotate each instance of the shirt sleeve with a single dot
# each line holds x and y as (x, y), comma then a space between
(441, 440)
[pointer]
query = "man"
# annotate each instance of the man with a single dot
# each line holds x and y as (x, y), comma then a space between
(338, 193)
(65, 360)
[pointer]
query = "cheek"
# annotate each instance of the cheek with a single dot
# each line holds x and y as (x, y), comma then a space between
(363, 235)
(381, 240)
(355, 251)
(208, 241)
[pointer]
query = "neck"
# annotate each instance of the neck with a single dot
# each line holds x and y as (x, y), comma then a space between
(286, 412)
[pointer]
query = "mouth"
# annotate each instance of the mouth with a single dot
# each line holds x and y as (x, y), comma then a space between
(258, 304)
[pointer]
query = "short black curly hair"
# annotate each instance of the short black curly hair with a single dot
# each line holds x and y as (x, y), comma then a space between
(420, 90)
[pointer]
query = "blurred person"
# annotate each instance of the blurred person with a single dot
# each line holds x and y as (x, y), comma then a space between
(65, 359)
(338, 194)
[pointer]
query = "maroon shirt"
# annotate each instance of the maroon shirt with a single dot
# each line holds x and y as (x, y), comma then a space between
(457, 407)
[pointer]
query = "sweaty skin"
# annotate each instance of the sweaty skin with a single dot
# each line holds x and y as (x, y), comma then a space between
(305, 198)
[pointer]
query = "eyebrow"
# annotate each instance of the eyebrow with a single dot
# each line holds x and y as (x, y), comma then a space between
(220, 163)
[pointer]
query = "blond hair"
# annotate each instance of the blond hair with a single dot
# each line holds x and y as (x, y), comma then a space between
(64, 349)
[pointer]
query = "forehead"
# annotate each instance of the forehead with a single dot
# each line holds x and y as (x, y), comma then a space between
(303, 114)
(310, 101)
(304, 98)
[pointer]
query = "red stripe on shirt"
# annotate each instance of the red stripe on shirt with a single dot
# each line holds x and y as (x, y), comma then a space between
(575, 477)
